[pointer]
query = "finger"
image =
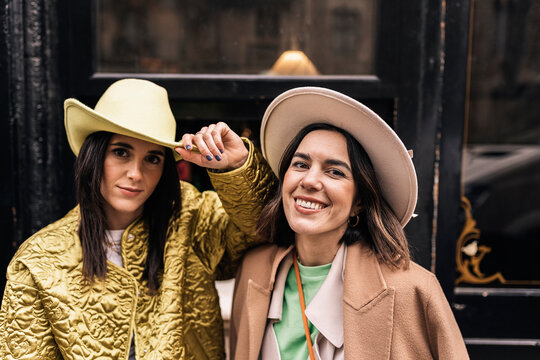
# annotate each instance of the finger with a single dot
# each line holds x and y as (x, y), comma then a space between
(219, 132)
(187, 141)
(209, 138)
(193, 157)
(202, 131)
(201, 144)
(191, 137)
(182, 152)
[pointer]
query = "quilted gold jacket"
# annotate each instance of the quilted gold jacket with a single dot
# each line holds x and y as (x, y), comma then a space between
(50, 312)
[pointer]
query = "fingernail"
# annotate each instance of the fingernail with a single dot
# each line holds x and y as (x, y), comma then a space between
(221, 151)
(188, 147)
(218, 158)
(209, 157)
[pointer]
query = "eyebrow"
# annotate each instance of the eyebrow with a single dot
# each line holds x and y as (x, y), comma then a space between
(128, 146)
(327, 161)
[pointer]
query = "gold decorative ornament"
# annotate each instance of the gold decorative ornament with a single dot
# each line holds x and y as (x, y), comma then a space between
(469, 254)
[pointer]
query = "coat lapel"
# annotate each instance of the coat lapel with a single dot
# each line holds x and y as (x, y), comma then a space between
(258, 301)
(368, 307)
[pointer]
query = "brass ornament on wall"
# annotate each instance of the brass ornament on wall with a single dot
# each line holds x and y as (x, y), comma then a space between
(469, 254)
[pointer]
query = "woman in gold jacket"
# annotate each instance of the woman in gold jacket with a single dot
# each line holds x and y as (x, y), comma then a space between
(129, 273)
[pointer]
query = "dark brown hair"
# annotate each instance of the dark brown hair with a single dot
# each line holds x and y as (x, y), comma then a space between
(158, 209)
(378, 227)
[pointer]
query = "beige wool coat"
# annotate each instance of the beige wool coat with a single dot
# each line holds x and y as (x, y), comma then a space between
(387, 314)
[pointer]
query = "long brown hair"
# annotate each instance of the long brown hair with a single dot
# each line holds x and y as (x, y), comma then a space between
(158, 209)
(378, 227)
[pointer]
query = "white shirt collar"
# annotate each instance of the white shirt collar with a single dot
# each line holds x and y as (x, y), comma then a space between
(276, 304)
(326, 309)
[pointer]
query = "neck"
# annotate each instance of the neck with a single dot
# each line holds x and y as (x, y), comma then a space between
(120, 221)
(314, 251)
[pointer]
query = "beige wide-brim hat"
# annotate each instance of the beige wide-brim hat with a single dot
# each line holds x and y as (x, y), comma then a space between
(296, 108)
(132, 107)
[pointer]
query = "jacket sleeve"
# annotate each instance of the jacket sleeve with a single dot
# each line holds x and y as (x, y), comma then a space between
(445, 338)
(226, 225)
(25, 332)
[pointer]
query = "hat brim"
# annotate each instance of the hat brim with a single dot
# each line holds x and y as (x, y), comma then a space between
(295, 109)
(81, 121)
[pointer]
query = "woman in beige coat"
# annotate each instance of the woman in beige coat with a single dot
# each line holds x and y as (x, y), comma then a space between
(347, 188)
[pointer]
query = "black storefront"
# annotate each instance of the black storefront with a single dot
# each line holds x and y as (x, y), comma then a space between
(458, 80)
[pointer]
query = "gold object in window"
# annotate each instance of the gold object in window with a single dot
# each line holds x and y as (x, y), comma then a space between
(293, 62)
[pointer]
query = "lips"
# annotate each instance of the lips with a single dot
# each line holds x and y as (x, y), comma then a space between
(129, 191)
(309, 204)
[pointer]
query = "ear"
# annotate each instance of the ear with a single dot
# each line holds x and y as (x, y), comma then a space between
(355, 209)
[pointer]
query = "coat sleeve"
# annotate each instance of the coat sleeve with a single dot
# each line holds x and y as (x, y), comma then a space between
(25, 332)
(225, 228)
(445, 338)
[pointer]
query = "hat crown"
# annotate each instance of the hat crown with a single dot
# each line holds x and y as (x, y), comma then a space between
(140, 106)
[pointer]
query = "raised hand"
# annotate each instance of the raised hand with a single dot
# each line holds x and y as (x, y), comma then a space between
(218, 148)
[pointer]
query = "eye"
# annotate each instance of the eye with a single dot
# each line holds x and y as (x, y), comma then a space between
(299, 165)
(153, 159)
(120, 152)
(336, 172)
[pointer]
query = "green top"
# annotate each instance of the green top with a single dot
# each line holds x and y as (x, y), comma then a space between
(289, 331)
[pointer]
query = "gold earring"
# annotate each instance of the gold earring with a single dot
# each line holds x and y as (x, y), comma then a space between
(356, 222)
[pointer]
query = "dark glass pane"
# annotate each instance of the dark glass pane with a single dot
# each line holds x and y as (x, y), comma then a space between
(236, 37)
(502, 159)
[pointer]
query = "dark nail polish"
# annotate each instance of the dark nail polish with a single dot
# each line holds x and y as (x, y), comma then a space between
(218, 158)
(209, 157)
(221, 151)
(188, 147)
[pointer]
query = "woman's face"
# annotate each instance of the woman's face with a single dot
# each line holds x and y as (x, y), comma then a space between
(318, 187)
(131, 171)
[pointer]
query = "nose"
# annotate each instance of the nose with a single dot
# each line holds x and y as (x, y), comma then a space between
(134, 171)
(312, 179)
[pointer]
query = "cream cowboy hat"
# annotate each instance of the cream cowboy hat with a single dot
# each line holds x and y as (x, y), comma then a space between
(296, 108)
(132, 107)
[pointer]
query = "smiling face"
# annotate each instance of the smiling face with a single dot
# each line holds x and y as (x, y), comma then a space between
(318, 187)
(131, 171)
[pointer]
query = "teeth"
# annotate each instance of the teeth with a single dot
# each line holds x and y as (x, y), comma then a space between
(309, 204)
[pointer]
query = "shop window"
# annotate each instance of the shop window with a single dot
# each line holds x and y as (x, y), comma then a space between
(236, 37)
(501, 242)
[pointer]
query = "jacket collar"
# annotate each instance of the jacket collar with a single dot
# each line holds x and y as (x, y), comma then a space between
(280, 255)
(368, 307)
(325, 310)
(363, 277)
(275, 310)
(258, 300)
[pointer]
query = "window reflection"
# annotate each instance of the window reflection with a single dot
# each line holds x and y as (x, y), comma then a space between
(502, 159)
(234, 36)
